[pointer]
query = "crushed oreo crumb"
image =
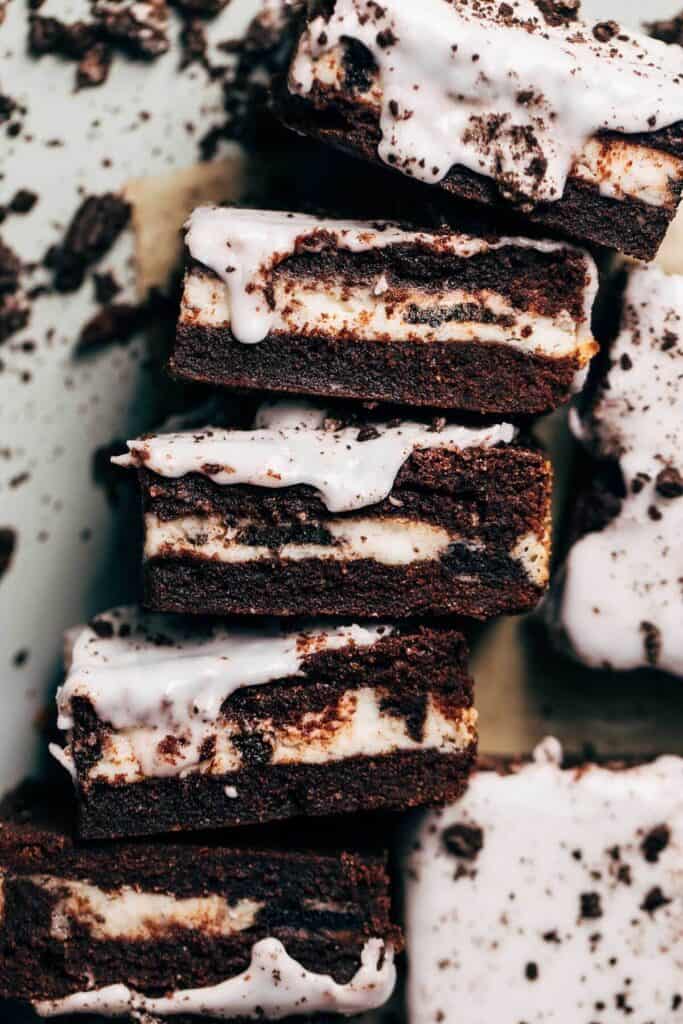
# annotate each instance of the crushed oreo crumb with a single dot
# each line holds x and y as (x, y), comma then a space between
(94, 228)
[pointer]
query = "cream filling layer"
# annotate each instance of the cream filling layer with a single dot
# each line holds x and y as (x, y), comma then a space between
(387, 541)
(357, 727)
(310, 308)
(131, 915)
(273, 986)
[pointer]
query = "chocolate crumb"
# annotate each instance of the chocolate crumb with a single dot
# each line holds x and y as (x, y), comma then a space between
(102, 628)
(140, 27)
(531, 972)
(655, 842)
(94, 228)
(367, 434)
(465, 841)
(8, 544)
(93, 69)
(605, 30)
(106, 287)
(669, 483)
(654, 901)
(115, 324)
(23, 201)
(652, 642)
(668, 31)
(591, 906)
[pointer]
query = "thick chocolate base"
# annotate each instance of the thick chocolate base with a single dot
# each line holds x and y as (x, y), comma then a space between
(392, 782)
(322, 905)
(480, 377)
(363, 589)
(627, 225)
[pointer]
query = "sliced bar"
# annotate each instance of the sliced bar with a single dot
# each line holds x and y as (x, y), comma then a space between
(186, 931)
(368, 310)
(550, 894)
(519, 106)
(617, 602)
(306, 515)
(177, 724)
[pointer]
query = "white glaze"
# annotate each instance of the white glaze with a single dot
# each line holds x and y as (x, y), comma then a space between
(242, 247)
(620, 581)
(473, 926)
(142, 687)
(273, 986)
(454, 73)
(287, 449)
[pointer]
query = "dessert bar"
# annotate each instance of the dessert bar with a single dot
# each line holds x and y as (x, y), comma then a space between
(617, 602)
(307, 515)
(369, 310)
(550, 894)
(186, 931)
(524, 107)
(176, 724)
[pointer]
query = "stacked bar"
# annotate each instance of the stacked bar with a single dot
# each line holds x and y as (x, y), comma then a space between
(520, 107)
(373, 529)
(444, 319)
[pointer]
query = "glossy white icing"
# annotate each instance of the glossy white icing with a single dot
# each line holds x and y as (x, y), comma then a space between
(504, 94)
(242, 247)
(619, 598)
(147, 674)
(292, 445)
(557, 915)
(273, 986)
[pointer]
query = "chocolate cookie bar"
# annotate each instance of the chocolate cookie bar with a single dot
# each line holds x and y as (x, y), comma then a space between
(369, 310)
(617, 602)
(186, 931)
(306, 515)
(176, 724)
(550, 894)
(524, 107)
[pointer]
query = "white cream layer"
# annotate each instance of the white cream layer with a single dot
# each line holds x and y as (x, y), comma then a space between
(242, 247)
(457, 86)
(293, 445)
(273, 986)
(315, 309)
(509, 933)
(357, 728)
(392, 541)
(127, 914)
(622, 586)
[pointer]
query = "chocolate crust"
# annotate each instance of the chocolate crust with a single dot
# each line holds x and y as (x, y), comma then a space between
(36, 964)
(395, 781)
(480, 377)
(492, 586)
(629, 225)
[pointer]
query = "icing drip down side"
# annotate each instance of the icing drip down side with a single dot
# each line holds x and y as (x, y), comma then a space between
(153, 676)
(294, 444)
(242, 247)
(273, 986)
(492, 87)
(620, 603)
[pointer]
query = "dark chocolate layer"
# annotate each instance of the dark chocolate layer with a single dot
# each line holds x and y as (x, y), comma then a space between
(395, 781)
(482, 377)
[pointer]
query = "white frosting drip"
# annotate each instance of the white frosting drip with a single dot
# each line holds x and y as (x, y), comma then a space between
(273, 986)
(287, 449)
(509, 933)
(457, 86)
(621, 589)
(243, 247)
(164, 676)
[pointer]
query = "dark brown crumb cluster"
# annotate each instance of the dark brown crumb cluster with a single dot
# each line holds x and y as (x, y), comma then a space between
(8, 544)
(668, 31)
(14, 310)
(94, 228)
